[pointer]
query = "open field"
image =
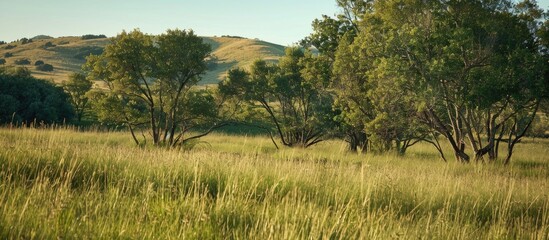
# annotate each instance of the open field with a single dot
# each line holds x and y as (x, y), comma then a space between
(68, 54)
(69, 184)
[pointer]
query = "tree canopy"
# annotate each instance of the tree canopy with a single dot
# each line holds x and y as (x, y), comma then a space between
(149, 80)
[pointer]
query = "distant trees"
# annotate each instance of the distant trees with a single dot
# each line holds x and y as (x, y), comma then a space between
(92, 36)
(24, 99)
(149, 81)
(23, 61)
(45, 67)
(25, 41)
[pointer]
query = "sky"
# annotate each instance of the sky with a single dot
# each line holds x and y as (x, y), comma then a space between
(283, 22)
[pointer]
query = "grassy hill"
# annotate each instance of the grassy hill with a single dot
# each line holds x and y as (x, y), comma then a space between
(67, 54)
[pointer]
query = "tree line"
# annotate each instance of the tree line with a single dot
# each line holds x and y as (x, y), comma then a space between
(383, 75)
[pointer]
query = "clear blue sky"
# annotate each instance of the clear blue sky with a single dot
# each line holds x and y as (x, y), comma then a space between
(278, 21)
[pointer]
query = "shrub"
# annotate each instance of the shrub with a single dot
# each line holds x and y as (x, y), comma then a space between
(27, 99)
(8, 54)
(2, 42)
(91, 36)
(39, 62)
(49, 44)
(9, 47)
(2, 61)
(45, 67)
(25, 40)
(23, 61)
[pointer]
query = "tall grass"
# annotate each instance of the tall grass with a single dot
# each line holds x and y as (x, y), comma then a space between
(68, 184)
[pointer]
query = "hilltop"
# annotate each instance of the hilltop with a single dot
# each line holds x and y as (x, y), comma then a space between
(67, 54)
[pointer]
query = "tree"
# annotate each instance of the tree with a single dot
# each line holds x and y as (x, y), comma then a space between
(77, 87)
(151, 78)
(23, 61)
(292, 94)
(467, 68)
(45, 67)
(24, 99)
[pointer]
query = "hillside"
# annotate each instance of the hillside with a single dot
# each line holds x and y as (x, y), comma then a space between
(67, 54)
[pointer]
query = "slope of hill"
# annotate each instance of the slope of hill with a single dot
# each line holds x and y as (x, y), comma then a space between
(67, 54)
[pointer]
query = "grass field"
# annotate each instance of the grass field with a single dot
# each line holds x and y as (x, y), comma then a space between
(69, 184)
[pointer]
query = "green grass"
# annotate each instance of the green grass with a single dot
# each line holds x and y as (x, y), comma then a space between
(68, 55)
(69, 184)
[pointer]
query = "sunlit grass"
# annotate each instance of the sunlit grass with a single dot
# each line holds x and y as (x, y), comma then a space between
(69, 184)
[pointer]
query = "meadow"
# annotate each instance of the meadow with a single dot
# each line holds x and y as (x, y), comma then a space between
(63, 183)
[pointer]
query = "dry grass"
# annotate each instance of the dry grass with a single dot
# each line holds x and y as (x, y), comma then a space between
(69, 184)
(67, 56)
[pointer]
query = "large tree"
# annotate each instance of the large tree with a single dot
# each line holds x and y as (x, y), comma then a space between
(150, 80)
(468, 69)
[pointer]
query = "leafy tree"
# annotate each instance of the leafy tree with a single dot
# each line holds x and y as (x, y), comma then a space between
(467, 68)
(77, 87)
(24, 99)
(150, 80)
(292, 94)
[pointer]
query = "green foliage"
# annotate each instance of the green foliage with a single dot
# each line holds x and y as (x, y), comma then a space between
(466, 68)
(22, 61)
(24, 99)
(150, 80)
(9, 46)
(38, 62)
(8, 54)
(49, 44)
(292, 94)
(25, 41)
(77, 87)
(45, 67)
(2, 61)
(92, 36)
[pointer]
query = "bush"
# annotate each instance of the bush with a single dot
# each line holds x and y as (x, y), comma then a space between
(2, 42)
(39, 62)
(25, 99)
(9, 47)
(45, 67)
(22, 61)
(2, 61)
(91, 36)
(8, 54)
(25, 41)
(49, 44)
